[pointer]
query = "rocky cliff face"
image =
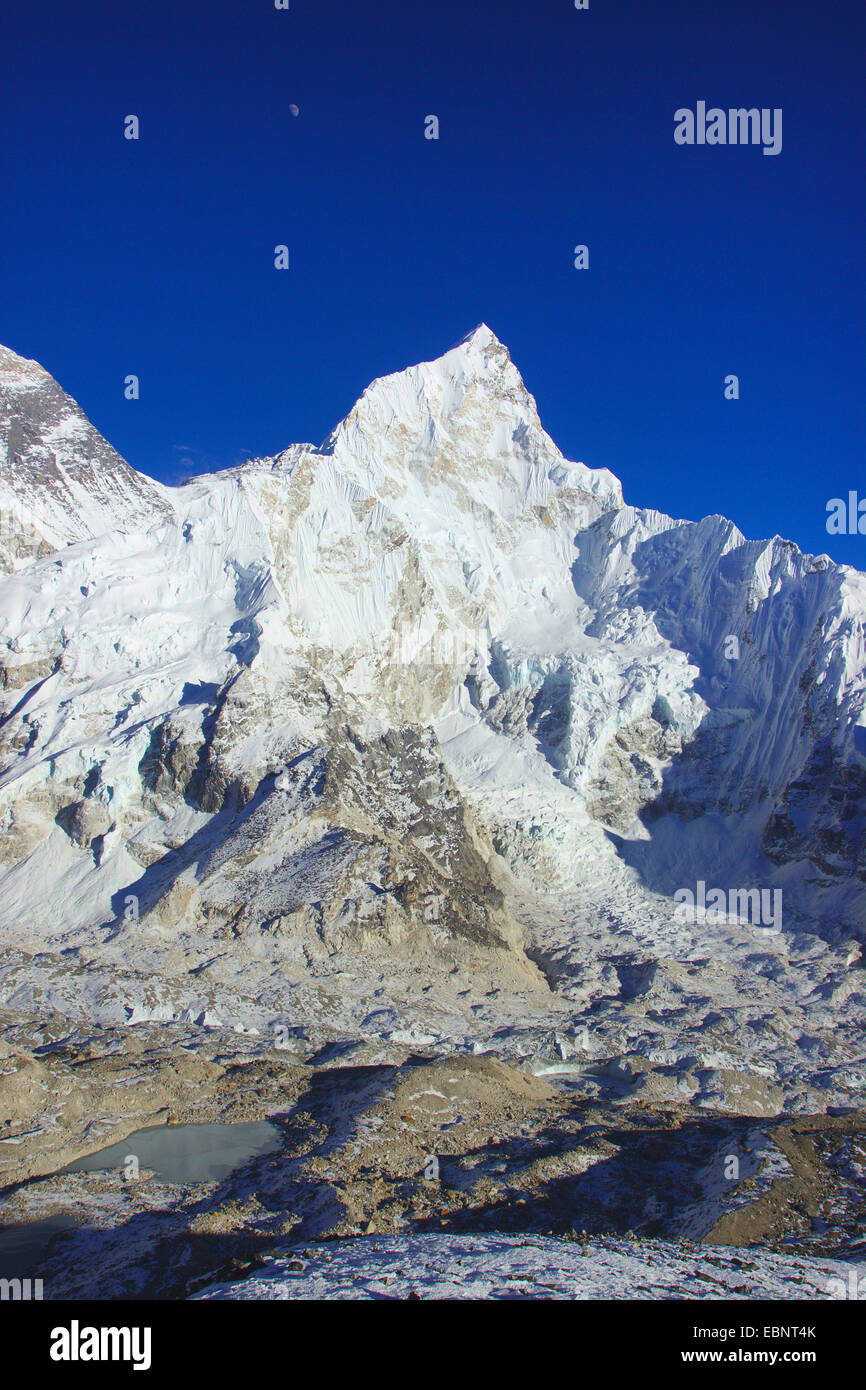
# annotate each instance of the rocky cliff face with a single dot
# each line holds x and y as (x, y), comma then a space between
(428, 692)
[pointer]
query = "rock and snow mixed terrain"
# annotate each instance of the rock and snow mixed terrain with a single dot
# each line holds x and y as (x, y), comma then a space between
(408, 742)
(538, 1267)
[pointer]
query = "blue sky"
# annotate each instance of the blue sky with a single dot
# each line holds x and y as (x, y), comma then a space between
(155, 257)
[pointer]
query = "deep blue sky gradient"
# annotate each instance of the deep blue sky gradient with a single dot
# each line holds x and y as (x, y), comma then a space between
(557, 125)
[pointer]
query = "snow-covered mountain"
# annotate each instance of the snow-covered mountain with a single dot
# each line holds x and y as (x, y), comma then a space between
(427, 693)
(60, 481)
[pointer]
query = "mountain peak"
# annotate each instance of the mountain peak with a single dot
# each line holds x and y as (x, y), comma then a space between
(481, 336)
(59, 479)
(469, 401)
(464, 420)
(17, 372)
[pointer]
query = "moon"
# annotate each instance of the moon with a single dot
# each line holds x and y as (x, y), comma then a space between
(294, 109)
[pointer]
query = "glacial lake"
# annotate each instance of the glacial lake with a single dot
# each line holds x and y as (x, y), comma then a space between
(186, 1153)
(175, 1153)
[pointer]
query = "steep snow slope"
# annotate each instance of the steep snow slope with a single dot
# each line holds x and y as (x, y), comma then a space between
(428, 693)
(59, 479)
